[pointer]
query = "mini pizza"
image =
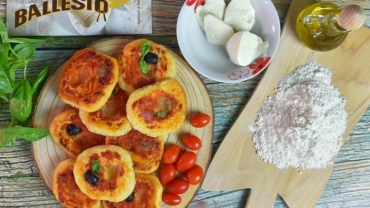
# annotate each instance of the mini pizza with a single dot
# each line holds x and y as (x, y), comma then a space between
(157, 109)
(144, 62)
(147, 193)
(88, 79)
(146, 151)
(71, 134)
(66, 190)
(111, 119)
(105, 172)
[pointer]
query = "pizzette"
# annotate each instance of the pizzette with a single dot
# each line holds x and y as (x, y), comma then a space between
(157, 109)
(159, 62)
(111, 119)
(71, 134)
(66, 190)
(147, 193)
(115, 178)
(146, 152)
(88, 79)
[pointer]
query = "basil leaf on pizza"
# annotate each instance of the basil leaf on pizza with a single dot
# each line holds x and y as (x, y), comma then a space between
(143, 66)
(95, 166)
(145, 48)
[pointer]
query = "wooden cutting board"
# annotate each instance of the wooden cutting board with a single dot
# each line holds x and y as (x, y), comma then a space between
(48, 154)
(236, 165)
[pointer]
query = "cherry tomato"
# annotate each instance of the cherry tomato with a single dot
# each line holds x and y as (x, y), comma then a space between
(192, 142)
(171, 199)
(168, 172)
(186, 161)
(178, 186)
(200, 120)
(194, 175)
(171, 154)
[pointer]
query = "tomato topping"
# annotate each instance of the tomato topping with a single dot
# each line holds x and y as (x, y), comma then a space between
(186, 161)
(171, 199)
(200, 120)
(178, 186)
(171, 154)
(192, 142)
(194, 175)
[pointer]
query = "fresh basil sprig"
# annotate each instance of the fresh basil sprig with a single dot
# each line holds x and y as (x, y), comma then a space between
(9, 134)
(16, 53)
(142, 64)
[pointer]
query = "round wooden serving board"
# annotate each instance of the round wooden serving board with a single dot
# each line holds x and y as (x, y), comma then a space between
(47, 154)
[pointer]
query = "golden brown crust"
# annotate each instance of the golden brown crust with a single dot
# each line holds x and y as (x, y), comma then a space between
(116, 179)
(157, 109)
(146, 152)
(111, 119)
(73, 144)
(66, 190)
(132, 78)
(147, 193)
(88, 79)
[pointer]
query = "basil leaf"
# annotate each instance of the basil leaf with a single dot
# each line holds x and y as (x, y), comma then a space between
(30, 134)
(20, 103)
(13, 66)
(10, 134)
(7, 135)
(95, 166)
(25, 51)
(12, 76)
(5, 85)
(161, 114)
(4, 54)
(15, 63)
(4, 97)
(39, 82)
(3, 32)
(143, 66)
(28, 40)
(145, 48)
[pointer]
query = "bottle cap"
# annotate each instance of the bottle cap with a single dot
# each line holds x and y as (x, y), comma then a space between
(351, 17)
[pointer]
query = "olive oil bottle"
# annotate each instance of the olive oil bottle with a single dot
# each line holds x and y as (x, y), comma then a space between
(324, 26)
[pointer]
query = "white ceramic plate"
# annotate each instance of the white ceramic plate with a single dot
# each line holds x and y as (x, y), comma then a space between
(212, 61)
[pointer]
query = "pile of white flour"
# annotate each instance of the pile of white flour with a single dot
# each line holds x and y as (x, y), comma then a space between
(301, 126)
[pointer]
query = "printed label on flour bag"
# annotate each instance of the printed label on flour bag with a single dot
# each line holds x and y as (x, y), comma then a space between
(78, 17)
